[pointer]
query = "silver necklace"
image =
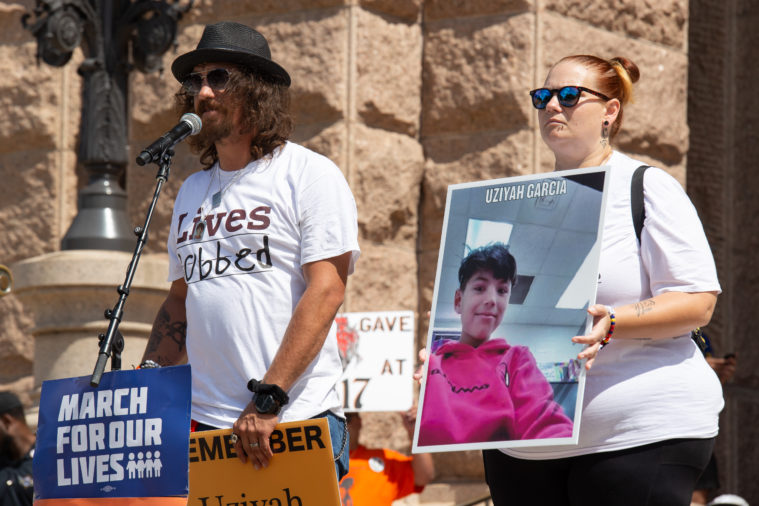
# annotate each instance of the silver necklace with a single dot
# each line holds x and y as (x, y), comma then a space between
(216, 198)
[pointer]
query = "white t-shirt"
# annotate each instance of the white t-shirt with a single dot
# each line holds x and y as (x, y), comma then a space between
(245, 277)
(641, 391)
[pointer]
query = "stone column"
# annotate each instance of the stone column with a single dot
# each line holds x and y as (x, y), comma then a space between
(723, 183)
(67, 293)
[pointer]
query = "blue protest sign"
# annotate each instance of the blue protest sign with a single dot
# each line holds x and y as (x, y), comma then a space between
(129, 437)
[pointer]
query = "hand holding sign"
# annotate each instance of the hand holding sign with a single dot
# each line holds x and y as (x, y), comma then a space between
(218, 478)
(253, 430)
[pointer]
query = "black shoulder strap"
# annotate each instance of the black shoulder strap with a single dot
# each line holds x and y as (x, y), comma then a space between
(636, 200)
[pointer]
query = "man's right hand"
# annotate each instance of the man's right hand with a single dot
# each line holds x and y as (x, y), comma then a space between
(253, 430)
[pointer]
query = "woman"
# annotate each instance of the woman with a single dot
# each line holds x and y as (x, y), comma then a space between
(651, 401)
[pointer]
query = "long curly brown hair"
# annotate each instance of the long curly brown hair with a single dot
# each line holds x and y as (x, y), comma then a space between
(265, 110)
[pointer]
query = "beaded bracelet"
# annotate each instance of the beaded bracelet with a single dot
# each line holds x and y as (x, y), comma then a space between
(612, 324)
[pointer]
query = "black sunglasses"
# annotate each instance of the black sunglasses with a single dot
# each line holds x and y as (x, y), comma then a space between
(217, 79)
(568, 96)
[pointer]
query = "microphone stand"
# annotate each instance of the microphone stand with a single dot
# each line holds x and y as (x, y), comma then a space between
(112, 342)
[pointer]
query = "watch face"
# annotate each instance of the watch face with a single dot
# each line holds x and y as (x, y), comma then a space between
(266, 404)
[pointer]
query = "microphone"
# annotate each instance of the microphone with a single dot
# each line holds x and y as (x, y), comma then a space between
(189, 124)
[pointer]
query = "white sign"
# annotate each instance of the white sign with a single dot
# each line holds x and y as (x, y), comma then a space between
(377, 351)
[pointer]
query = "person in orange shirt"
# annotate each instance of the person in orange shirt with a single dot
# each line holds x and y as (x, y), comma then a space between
(377, 477)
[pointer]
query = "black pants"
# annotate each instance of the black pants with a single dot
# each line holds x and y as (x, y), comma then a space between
(659, 474)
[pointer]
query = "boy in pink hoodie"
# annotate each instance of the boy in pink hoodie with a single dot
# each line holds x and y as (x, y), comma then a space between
(480, 389)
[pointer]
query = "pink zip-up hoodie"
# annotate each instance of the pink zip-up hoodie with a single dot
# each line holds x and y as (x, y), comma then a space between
(494, 392)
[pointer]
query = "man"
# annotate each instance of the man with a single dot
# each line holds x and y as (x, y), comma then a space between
(261, 244)
(380, 476)
(16, 452)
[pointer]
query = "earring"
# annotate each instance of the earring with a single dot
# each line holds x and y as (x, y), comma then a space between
(605, 133)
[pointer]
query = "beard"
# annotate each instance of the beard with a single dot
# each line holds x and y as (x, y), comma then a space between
(214, 129)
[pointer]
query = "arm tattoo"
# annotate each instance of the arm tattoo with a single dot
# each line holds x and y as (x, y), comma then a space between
(644, 307)
(163, 328)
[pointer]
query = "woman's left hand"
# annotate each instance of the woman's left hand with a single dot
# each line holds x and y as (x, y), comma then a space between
(601, 325)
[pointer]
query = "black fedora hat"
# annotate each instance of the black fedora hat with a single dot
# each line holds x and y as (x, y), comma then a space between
(229, 42)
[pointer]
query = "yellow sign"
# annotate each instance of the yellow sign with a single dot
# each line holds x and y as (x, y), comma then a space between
(301, 473)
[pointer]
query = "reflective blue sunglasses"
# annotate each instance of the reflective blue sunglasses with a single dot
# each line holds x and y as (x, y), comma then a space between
(568, 96)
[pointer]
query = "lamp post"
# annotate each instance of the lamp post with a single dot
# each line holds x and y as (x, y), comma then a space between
(116, 36)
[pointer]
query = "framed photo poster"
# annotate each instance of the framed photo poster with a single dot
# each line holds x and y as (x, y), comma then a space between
(517, 271)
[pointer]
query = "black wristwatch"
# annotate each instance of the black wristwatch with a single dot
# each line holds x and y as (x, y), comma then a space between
(267, 398)
(266, 404)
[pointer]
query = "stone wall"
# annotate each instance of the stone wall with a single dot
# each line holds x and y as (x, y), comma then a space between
(406, 97)
(38, 179)
(722, 181)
